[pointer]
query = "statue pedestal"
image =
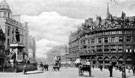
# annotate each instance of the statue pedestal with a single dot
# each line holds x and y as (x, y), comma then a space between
(17, 50)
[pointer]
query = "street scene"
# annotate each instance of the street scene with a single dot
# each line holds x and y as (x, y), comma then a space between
(67, 38)
(65, 73)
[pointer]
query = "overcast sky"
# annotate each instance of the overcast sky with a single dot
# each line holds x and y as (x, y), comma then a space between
(51, 21)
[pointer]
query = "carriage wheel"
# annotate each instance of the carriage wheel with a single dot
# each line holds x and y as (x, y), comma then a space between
(80, 73)
(90, 73)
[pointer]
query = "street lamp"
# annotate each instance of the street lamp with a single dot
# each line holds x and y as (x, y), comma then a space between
(122, 21)
(123, 45)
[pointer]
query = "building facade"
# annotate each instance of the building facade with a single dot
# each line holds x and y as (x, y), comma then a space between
(73, 46)
(2, 48)
(14, 30)
(106, 40)
(9, 26)
(55, 51)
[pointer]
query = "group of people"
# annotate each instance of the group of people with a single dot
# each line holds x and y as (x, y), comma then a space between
(120, 68)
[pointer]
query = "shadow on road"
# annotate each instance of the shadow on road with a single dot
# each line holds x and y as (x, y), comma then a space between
(34, 72)
(87, 76)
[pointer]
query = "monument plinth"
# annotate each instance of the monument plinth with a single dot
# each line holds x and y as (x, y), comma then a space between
(17, 51)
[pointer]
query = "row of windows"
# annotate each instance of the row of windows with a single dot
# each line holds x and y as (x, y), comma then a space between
(107, 40)
(5, 14)
(107, 50)
(101, 51)
(106, 46)
(109, 33)
(12, 31)
(74, 49)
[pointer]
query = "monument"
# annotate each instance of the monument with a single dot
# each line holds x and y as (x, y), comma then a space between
(16, 48)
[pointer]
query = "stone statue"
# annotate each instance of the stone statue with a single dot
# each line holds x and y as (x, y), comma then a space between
(13, 36)
(17, 35)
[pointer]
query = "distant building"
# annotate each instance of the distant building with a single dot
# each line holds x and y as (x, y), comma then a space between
(55, 51)
(32, 50)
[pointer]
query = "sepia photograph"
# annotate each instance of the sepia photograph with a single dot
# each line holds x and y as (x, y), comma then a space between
(67, 38)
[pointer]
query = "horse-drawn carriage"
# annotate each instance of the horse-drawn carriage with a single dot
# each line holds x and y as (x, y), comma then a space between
(57, 63)
(84, 68)
(56, 67)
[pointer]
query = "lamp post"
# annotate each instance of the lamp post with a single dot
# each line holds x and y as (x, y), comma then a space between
(121, 22)
(123, 45)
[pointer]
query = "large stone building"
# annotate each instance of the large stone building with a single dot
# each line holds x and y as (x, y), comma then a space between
(73, 46)
(11, 28)
(105, 40)
(2, 47)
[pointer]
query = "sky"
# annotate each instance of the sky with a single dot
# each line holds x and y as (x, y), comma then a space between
(51, 21)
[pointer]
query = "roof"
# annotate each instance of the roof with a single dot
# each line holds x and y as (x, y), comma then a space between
(4, 5)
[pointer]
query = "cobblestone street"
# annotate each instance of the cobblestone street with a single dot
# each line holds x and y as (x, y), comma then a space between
(65, 73)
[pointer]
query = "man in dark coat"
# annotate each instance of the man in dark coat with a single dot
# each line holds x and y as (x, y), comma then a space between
(133, 69)
(25, 68)
(111, 70)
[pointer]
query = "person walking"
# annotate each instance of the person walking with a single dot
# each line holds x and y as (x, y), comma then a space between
(110, 70)
(25, 69)
(41, 66)
(101, 67)
(133, 69)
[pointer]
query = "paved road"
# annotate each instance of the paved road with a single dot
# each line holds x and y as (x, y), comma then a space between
(65, 73)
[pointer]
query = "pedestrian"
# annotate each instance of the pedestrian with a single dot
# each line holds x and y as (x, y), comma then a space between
(87, 62)
(41, 66)
(25, 68)
(110, 70)
(129, 68)
(93, 66)
(101, 67)
(133, 69)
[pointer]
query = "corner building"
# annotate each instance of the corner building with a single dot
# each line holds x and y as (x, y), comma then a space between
(9, 26)
(101, 41)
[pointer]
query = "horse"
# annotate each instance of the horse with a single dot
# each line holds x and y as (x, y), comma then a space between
(46, 67)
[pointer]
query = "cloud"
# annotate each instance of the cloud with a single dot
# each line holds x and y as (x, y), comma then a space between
(71, 8)
(50, 29)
